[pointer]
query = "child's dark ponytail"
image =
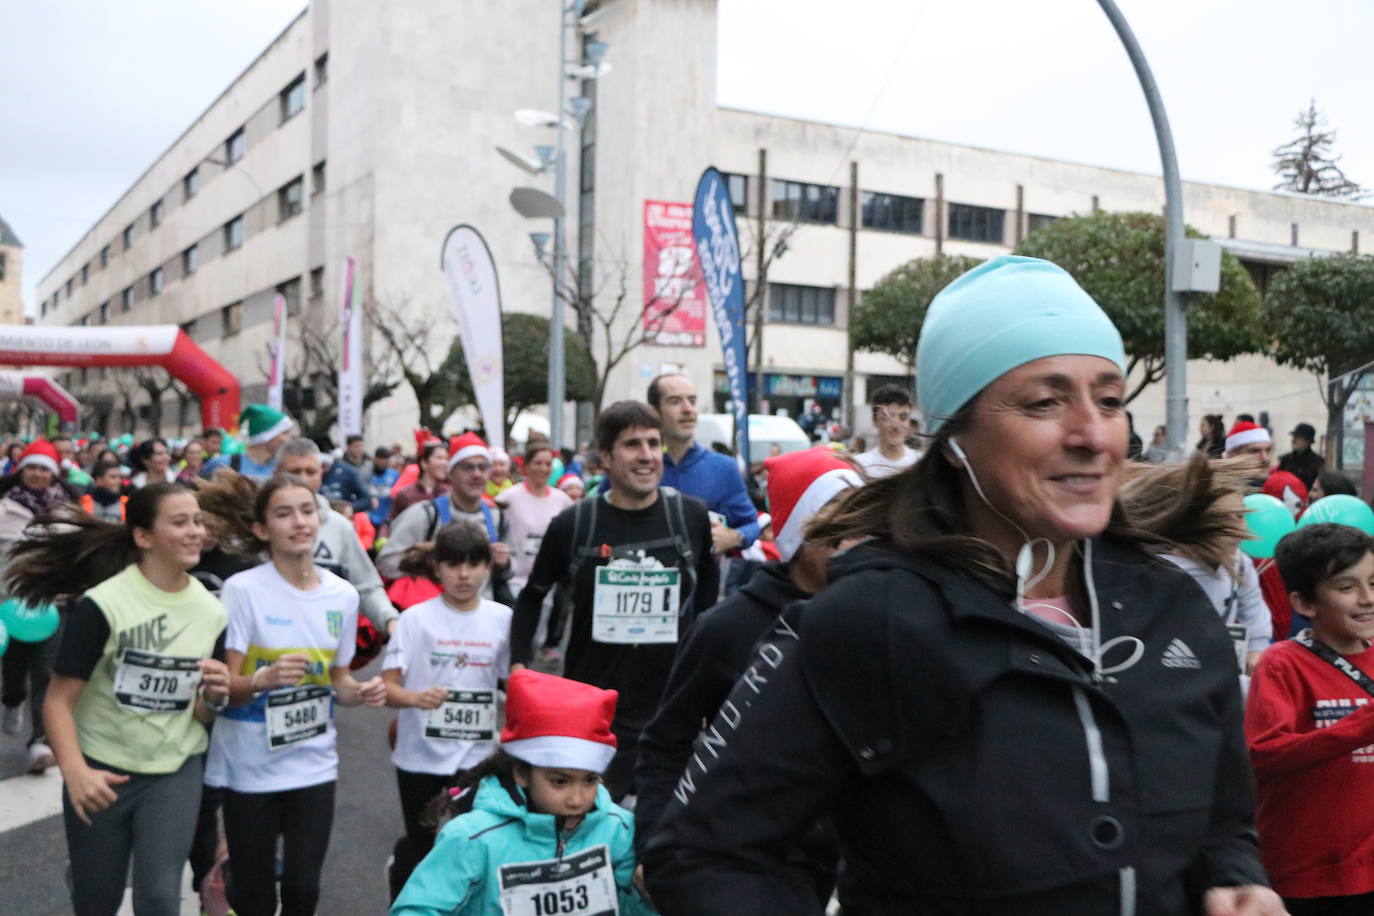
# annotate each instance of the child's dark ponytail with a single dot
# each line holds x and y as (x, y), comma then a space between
(418, 561)
(457, 798)
(66, 553)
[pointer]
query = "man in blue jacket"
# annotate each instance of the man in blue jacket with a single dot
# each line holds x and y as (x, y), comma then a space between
(710, 476)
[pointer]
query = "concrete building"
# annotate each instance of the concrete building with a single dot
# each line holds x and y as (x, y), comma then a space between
(11, 276)
(368, 132)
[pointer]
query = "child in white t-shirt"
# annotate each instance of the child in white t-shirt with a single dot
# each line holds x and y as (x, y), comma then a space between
(442, 669)
(291, 636)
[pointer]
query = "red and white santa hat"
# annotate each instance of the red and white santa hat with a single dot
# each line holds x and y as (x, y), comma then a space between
(799, 486)
(1245, 433)
(39, 452)
(554, 722)
(1288, 489)
(468, 445)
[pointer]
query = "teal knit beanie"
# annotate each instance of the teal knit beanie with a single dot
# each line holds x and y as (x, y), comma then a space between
(1002, 314)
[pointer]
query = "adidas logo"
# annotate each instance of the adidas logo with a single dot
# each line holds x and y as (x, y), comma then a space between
(1178, 655)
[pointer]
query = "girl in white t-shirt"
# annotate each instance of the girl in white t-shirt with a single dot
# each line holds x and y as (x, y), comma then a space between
(442, 670)
(291, 636)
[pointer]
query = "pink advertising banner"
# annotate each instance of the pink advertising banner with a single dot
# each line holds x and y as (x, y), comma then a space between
(674, 296)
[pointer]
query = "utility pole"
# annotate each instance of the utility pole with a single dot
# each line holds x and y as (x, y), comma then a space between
(1175, 312)
(556, 357)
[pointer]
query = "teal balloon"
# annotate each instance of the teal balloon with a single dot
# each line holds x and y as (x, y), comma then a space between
(28, 624)
(1341, 509)
(4, 639)
(1268, 520)
(231, 446)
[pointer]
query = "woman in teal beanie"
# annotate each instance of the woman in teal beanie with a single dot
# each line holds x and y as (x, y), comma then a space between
(1004, 701)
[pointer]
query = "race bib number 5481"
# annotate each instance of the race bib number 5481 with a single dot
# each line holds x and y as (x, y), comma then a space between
(577, 885)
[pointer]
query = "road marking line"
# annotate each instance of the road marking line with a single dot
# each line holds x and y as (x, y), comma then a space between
(25, 799)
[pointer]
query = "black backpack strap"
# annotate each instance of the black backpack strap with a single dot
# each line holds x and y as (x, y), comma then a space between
(236, 462)
(1335, 660)
(677, 530)
(584, 533)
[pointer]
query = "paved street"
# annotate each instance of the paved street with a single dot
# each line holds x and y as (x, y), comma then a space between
(33, 855)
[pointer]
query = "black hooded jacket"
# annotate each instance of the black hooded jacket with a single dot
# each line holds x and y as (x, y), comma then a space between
(709, 661)
(972, 762)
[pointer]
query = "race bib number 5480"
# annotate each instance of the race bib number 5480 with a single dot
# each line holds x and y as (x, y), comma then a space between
(577, 885)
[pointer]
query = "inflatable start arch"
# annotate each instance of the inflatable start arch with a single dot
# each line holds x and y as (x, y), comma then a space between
(16, 385)
(151, 345)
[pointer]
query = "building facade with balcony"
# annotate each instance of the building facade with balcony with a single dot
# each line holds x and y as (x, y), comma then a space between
(368, 131)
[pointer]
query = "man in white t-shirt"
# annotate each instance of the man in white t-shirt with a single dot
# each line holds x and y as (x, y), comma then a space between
(892, 418)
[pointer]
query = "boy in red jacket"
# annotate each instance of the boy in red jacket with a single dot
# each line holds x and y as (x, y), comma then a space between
(1310, 727)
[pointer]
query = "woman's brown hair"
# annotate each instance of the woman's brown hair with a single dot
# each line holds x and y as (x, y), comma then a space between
(1183, 504)
(232, 503)
(66, 553)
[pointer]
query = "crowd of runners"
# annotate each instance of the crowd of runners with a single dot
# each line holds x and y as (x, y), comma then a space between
(1012, 659)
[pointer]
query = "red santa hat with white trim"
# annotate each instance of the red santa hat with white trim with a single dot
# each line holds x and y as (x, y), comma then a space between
(554, 722)
(799, 486)
(468, 445)
(40, 453)
(1246, 433)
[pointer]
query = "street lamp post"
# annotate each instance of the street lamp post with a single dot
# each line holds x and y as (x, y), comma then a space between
(1175, 313)
(536, 205)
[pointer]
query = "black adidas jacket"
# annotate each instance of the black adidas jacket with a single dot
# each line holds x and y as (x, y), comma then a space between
(972, 763)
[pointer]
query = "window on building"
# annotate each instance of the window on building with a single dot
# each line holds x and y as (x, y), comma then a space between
(812, 203)
(70, 282)
(190, 185)
(85, 320)
(317, 178)
(1036, 221)
(2, 267)
(105, 257)
(128, 236)
(976, 224)
(155, 281)
(317, 283)
(42, 307)
(155, 214)
(738, 186)
(293, 98)
(233, 233)
(190, 259)
(892, 212)
(234, 147)
(231, 318)
(801, 304)
(85, 274)
(103, 313)
(321, 69)
(291, 292)
(290, 199)
(126, 299)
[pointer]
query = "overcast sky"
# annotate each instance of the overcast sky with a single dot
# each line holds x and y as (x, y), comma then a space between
(94, 91)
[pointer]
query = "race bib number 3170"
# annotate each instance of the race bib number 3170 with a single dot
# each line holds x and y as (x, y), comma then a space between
(151, 682)
(577, 885)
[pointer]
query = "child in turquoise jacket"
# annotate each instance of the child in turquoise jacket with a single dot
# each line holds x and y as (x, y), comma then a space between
(540, 835)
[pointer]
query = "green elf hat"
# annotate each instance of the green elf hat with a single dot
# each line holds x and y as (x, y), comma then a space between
(264, 423)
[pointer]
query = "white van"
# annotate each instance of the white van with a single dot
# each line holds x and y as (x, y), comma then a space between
(765, 431)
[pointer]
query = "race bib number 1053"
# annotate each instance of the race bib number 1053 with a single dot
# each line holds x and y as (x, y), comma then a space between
(577, 885)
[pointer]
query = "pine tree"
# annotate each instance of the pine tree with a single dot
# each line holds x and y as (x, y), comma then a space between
(1306, 165)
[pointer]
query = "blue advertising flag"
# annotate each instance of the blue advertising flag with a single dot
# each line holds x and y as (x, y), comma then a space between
(713, 230)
